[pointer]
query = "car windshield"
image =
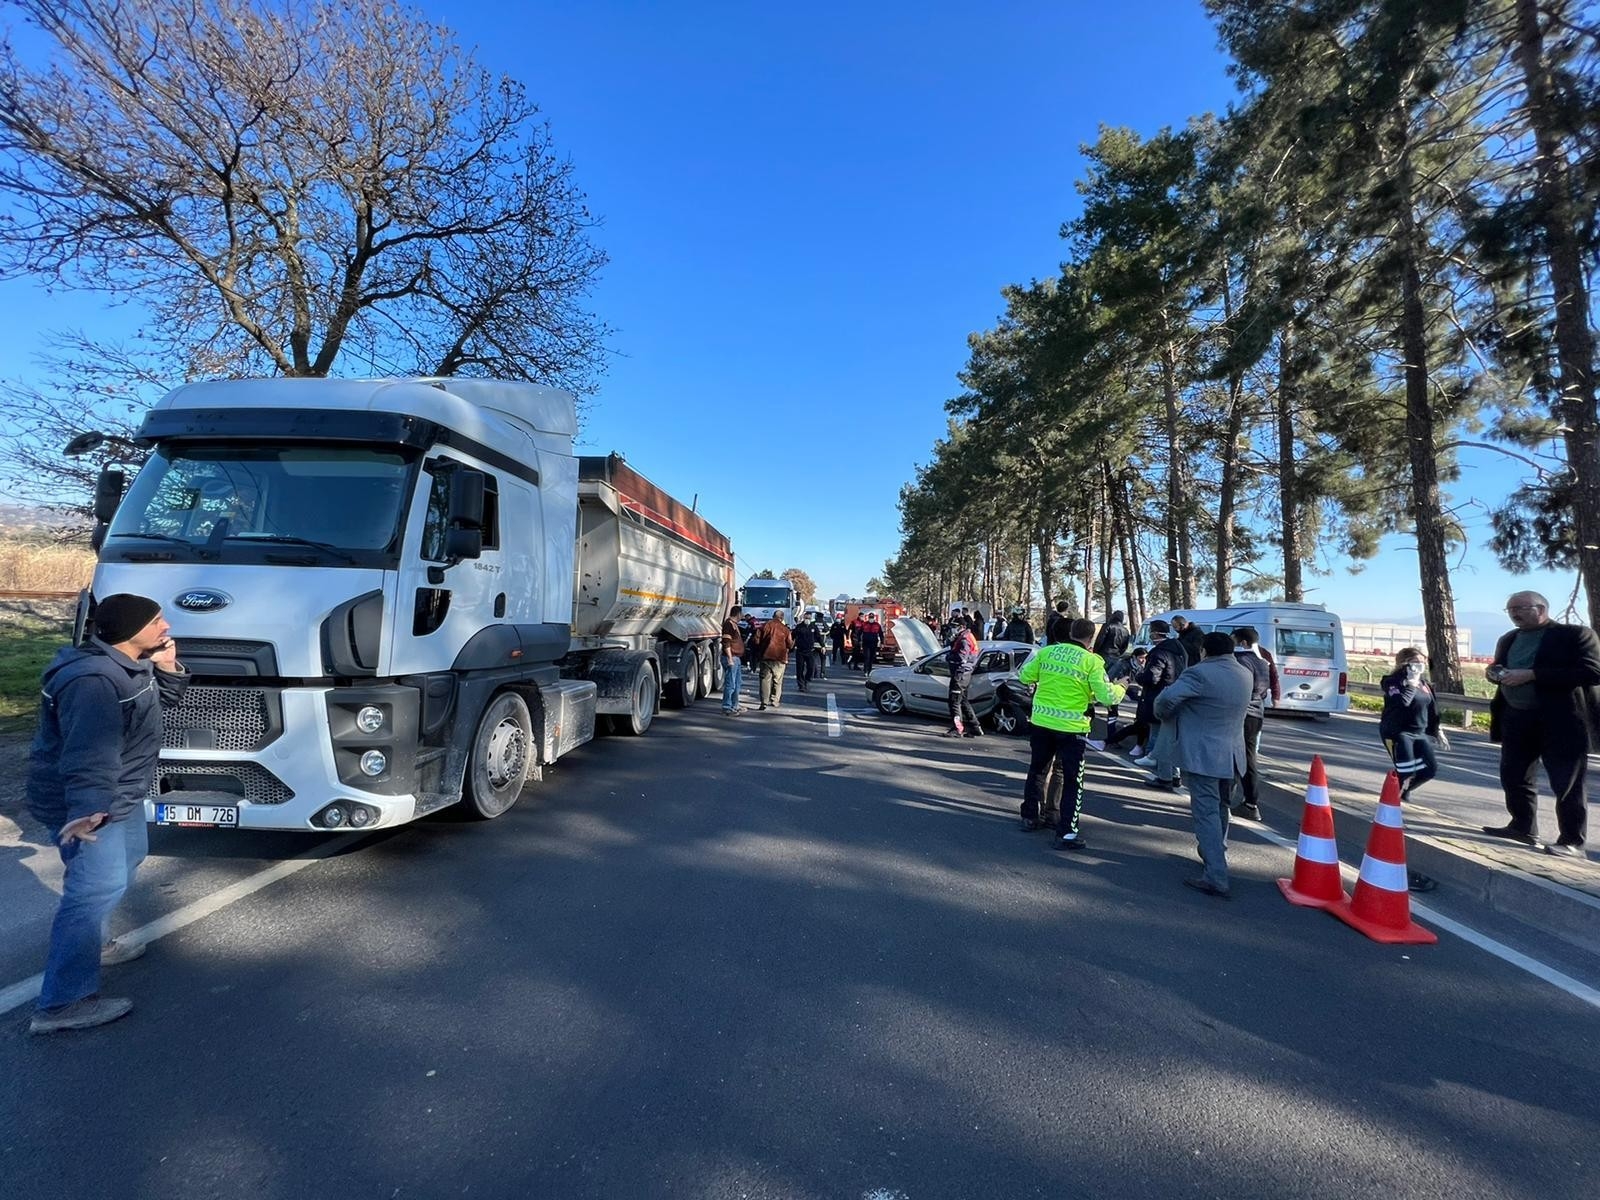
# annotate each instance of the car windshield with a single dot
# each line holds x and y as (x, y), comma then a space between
(768, 597)
(265, 503)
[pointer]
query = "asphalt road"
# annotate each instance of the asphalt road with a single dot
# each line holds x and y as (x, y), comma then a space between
(745, 958)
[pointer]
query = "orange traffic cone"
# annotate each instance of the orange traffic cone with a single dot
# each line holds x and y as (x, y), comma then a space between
(1316, 882)
(1381, 906)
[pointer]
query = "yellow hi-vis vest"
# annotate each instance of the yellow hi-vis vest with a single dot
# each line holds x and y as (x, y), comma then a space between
(1068, 677)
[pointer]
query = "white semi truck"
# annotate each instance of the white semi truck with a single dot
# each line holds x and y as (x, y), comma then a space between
(397, 595)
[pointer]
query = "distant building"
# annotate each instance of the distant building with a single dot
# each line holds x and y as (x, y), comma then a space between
(1376, 638)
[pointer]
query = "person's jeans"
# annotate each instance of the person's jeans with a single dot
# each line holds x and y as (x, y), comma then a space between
(1166, 750)
(1208, 805)
(98, 873)
(732, 680)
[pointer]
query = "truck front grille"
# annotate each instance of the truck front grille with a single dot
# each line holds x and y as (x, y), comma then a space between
(244, 780)
(222, 718)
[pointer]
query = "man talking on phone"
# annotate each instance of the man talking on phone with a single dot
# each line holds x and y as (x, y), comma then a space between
(89, 770)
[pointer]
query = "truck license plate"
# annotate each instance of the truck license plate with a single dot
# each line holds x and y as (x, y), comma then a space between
(196, 814)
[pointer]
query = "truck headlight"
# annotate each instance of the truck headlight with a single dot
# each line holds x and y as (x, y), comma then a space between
(374, 762)
(370, 720)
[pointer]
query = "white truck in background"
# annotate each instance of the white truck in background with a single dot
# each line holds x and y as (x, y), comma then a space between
(762, 597)
(396, 595)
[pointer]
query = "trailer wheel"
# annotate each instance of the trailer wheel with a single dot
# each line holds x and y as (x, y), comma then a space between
(681, 692)
(718, 676)
(644, 703)
(501, 753)
(708, 682)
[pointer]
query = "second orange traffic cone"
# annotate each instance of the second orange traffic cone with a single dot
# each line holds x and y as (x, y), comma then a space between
(1381, 906)
(1316, 882)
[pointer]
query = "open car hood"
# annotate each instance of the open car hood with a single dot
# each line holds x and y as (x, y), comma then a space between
(914, 638)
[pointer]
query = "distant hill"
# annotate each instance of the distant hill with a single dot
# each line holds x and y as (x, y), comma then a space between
(26, 518)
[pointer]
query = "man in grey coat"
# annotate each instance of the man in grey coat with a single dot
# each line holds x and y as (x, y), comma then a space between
(1208, 704)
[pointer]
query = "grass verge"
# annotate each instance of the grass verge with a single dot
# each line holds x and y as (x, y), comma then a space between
(27, 643)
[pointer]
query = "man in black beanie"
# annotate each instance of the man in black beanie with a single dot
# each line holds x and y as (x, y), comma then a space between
(89, 770)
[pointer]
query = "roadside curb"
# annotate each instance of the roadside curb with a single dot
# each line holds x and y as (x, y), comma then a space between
(1485, 873)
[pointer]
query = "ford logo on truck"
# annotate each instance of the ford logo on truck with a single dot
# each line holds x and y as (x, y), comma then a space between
(202, 600)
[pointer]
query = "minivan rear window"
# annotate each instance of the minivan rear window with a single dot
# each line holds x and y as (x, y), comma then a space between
(1305, 643)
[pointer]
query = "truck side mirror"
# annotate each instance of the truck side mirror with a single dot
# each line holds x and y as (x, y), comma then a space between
(108, 493)
(466, 500)
(462, 543)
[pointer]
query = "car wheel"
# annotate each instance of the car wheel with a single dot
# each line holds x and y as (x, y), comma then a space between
(890, 700)
(1008, 720)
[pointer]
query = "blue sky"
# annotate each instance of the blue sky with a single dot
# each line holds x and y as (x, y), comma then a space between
(807, 211)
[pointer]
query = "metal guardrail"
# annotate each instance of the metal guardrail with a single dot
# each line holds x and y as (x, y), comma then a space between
(1467, 704)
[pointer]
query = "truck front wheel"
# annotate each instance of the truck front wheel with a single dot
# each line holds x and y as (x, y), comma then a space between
(501, 753)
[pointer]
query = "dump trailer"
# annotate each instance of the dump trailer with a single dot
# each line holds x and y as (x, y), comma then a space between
(397, 595)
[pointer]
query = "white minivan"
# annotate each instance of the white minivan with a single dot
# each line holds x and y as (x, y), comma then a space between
(1306, 641)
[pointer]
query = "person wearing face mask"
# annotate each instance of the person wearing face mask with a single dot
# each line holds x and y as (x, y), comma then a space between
(1409, 725)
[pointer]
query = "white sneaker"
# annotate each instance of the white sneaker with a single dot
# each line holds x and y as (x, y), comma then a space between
(1136, 752)
(1094, 744)
(115, 953)
(1148, 760)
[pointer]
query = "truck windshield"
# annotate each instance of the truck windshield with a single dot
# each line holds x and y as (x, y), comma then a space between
(768, 597)
(265, 504)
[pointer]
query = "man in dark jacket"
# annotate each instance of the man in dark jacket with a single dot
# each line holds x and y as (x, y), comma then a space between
(1191, 637)
(1059, 625)
(1162, 666)
(91, 765)
(1018, 628)
(1112, 641)
(1244, 649)
(1544, 711)
(805, 645)
(836, 635)
(871, 639)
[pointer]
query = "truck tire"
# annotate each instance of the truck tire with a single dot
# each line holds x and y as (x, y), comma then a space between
(681, 692)
(501, 754)
(718, 675)
(708, 682)
(644, 703)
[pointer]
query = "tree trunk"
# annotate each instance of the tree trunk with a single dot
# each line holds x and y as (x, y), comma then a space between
(1288, 471)
(1180, 567)
(1427, 509)
(1130, 551)
(1228, 487)
(1574, 340)
(1047, 579)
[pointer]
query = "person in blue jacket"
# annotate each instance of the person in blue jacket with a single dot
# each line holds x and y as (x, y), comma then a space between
(90, 767)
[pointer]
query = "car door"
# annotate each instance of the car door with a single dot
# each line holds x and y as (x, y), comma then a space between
(993, 666)
(928, 686)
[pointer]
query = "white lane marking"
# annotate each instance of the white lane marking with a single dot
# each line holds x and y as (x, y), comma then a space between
(18, 994)
(835, 726)
(1573, 987)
